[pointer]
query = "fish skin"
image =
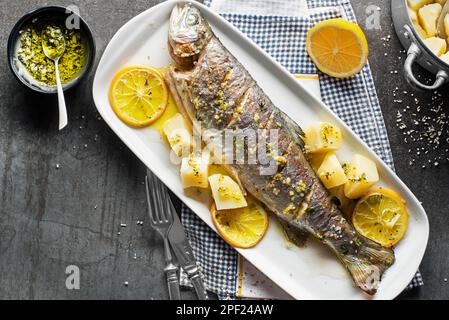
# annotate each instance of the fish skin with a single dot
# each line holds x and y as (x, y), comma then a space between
(217, 92)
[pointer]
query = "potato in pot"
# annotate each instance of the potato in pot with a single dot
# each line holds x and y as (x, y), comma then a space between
(436, 45)
(428, 16)
(416, 4)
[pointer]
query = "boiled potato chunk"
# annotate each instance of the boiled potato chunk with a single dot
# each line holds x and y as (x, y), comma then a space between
(415, 21)
(416, 4)
(322, 137)
(180, 141)
(436, 45)
(445, 57)
(441, 2)
(428, 17)
(226, 192)
(331, 173)
(195, 170)
(421, 31)
(175, 122)
(178, 135)
(362, 174)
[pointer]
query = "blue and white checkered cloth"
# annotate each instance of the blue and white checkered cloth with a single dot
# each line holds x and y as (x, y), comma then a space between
(354, 100)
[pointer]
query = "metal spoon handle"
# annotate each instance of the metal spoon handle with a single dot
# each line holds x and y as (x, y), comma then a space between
(61, 101)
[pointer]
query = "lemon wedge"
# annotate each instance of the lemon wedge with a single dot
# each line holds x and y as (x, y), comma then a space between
(243, 227)
(381, 216)
(138, 95)
(337, 47)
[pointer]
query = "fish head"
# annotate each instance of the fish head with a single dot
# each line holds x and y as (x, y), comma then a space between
(188, 35)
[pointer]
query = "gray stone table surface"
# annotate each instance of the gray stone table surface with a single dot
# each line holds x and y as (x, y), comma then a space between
(64, 195)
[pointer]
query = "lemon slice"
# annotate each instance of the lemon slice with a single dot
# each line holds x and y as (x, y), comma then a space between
(337, 47)
(138, 95)
(381, 216)
(243, 227)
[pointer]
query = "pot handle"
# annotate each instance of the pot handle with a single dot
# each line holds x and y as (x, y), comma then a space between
(413, 53)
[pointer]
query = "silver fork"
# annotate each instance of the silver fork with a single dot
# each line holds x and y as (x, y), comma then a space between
(161, 220)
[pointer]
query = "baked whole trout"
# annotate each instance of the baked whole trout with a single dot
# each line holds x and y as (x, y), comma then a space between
(214, 91)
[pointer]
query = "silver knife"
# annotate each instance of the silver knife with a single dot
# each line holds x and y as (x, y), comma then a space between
(184, 255)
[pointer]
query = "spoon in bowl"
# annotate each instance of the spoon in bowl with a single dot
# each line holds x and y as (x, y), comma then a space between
(53, 45)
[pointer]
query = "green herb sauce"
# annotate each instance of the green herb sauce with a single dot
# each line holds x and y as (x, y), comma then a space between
(39, 66)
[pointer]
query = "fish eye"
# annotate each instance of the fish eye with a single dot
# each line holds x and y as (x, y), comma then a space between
(193, 19)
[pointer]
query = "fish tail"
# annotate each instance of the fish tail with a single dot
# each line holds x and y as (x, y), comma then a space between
(294, 235)
(368, 265)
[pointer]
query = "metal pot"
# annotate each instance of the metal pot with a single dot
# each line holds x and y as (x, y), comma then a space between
(417, 51)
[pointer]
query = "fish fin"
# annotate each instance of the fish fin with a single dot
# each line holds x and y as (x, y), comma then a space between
(368, 265)
(296, 236)
(178, 101)
(299, 134)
